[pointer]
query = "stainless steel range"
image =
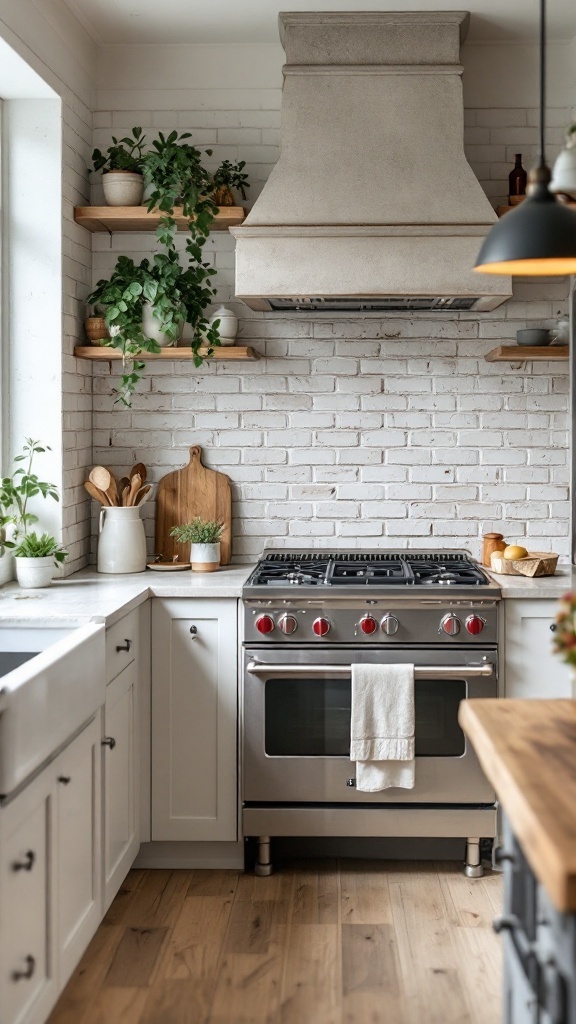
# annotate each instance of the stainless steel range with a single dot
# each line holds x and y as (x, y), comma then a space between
(310, 615)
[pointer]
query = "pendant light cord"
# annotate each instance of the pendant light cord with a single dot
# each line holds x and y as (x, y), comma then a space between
(542, 159)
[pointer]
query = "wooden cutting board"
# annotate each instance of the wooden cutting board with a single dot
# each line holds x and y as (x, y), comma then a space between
(189, 492)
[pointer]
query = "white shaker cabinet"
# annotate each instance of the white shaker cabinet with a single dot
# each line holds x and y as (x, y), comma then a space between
(194, 719)
(530, 666)
(49, 879)
(121, 838)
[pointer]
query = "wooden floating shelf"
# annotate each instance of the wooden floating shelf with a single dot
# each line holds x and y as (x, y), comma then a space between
(103, 354)
(501, 210)
(522, 353)
(137, 218)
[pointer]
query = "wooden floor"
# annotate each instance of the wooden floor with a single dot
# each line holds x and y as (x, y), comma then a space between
(350, 942)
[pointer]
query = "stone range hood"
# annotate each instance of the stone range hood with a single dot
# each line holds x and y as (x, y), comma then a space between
(372, 205)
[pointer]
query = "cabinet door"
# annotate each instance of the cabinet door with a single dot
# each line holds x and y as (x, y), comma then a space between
(531, 668)
(28, 982)
(194, 716)
(121, 837)
(76, 774)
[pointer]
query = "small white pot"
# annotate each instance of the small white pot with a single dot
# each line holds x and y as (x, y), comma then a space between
(205, 557)
(228, 326)
(6, 567)
(123, 188)
(151, 327)
(33, 573)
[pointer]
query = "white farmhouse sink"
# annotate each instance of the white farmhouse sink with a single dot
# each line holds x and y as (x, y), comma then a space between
(52, 680)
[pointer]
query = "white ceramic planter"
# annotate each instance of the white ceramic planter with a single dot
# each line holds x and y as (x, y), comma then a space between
(122, 541)
(151, 327)
(205, 557)
(123, 188)
(33, 573)
(6, 567)
(228, 326)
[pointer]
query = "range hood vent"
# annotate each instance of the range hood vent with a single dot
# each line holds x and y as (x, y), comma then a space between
(385, 304)
(372, 205)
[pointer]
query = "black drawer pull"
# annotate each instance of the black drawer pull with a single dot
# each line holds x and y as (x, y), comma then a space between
(109, 741)
(25, 865)
(64, 779)
(24, 975)
(124, 647)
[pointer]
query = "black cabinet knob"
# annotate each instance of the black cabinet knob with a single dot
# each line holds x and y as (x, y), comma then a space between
(505, 923)
(553, 627)
(64, 779)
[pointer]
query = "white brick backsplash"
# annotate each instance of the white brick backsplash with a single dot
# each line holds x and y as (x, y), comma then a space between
(354, 427)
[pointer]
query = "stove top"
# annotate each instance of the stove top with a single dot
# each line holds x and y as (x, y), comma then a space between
(374, 569)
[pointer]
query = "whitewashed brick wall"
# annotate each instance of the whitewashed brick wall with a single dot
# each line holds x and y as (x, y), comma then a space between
(352, 430)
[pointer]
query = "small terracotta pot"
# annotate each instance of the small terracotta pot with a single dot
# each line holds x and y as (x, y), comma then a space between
(223, 196)
(96, 330)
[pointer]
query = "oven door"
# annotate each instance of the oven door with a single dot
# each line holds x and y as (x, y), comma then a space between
(296, 725)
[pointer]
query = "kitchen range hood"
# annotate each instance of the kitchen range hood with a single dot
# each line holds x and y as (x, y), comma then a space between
(372, 205)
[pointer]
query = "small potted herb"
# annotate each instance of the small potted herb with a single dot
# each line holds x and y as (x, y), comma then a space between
(15, 493)
(121, 166)
(203, 535)
(227, 177)
(36, 559)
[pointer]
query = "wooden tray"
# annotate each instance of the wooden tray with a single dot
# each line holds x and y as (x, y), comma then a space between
(189, 492)
(535, 563)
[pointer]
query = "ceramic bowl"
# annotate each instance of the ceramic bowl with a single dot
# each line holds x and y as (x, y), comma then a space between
(533, 336)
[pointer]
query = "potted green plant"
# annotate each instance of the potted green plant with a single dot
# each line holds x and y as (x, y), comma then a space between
(36, 559)
(15, 493)
(174, 295)
(121, 166)
(203, 535)
(226, 177)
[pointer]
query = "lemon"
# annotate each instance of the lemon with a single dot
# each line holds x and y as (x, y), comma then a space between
(514, 551)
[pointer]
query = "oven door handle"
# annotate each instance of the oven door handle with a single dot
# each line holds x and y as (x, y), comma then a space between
(259, 668)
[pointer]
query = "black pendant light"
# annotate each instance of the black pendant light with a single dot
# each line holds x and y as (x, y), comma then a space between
(538, 237)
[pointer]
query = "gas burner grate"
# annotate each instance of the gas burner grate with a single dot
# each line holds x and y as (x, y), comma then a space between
(366, 569)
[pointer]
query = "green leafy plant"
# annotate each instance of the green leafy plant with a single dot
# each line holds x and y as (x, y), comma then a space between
(174, 293)
(123, 155)
(33, 546)
(226, 177)
(198, 531)
(17, 490)
(174, 170)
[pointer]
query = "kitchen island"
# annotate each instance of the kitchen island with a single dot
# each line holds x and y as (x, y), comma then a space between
(528, 752)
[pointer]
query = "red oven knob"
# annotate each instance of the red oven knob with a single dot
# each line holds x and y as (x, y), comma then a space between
(474, 624)
(368, 624)
(288, 624)
(264, 624)
(321, 627)
(450, 624)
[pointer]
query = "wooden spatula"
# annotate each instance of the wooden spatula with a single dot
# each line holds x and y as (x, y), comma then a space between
(141, 469)
(135, 483)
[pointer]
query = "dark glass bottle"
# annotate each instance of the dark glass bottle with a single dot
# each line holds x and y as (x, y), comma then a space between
(517, 178)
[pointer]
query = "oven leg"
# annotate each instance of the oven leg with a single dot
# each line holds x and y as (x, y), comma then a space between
(473, 865)
(263, 864)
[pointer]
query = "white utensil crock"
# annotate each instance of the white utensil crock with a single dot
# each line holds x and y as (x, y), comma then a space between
(122, 541)
(205, 557)
(123, 188)
(33, 573)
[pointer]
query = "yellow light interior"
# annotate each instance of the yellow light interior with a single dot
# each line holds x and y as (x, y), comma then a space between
(531, 268)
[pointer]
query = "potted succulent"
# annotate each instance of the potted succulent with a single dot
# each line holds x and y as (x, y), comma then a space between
(121, 166)
(226, 177)
(203, 535)
(15, 493)
(36, 559)
(173, 295)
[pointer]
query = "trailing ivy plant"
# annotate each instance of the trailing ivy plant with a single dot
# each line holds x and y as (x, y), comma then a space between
(175, 295)
(123, 155)
(173, 169)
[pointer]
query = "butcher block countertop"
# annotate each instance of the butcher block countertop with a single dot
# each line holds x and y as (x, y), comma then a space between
(527, 749)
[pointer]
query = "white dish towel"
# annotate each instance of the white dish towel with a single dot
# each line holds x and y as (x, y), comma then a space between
(382, 727)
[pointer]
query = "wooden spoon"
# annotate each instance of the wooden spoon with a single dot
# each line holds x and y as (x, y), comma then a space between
(95, 492)
(141, 469)
(124, 496)
(102, 479)
(143, 495)
(135, 483)
(121, 486)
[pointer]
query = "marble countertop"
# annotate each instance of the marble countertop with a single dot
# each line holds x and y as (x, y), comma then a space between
(89, 596)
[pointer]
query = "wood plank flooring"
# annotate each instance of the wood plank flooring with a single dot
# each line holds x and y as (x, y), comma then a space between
(349, 942)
